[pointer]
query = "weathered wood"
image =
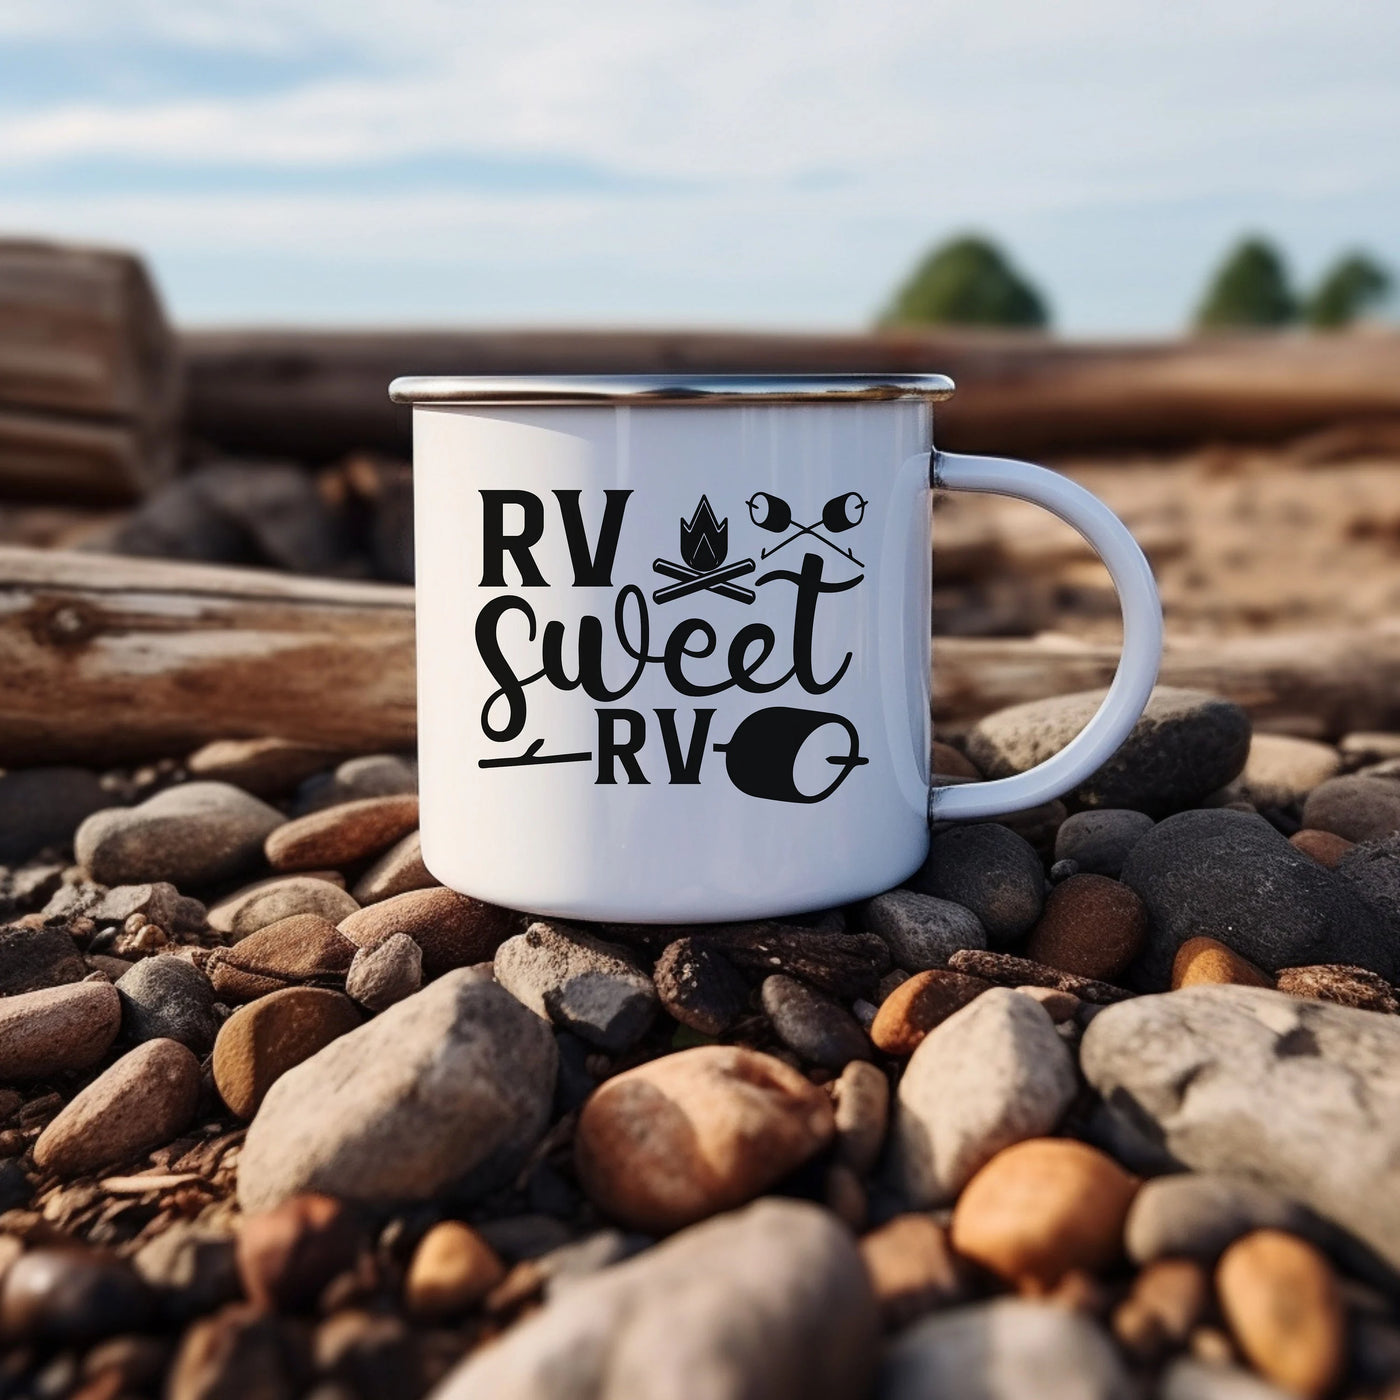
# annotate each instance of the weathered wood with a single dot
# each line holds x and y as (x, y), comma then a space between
(318, 395)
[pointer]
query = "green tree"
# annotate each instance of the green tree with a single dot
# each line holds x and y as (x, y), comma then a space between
(1354, 284)
(966, 282)
(1250, 289)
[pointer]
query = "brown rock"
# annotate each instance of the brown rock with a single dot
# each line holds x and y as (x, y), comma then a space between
(912, 1268)
(399, 870)
(1006, 970)
(1357, 807)
(1325, 847)
(704, 1130)
(264, 767)
(453, 1269)
(1042, 1208)
(147, 1098)
(700, 987)
(1282, 1302)
(288, 1254)
(239, 1353)
(452, 929)
(1281, 770)
(947, 762)
(1200, 960)
(270, 901)
(1346, 986)
(301, 951)
(343, 834)
(1168, 1299)
(57, 1028)
(260, 1042)
(67, 1295)
(1092, 926)
(862, 1105)
(919, 1004)
(1059, 1006)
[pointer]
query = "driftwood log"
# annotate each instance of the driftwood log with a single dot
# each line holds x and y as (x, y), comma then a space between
(319, 395)
(108, 658)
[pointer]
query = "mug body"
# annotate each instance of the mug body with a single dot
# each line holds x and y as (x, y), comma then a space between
(673, 658)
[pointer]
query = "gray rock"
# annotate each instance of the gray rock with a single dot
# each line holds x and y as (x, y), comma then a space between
(1189, 1379)
(42, 807)
(769, 1301)
(1281, 770)
(991, 871)
(1301, 1096)
(33, 958)
(816, 1028)
(1373, 870)
(572, 1263)
(991, 1075)
(1358, 807)
(373, 775)
(1007, 1349)
(1186, 745)
(267, 902)
(580, 983)
(168, 997)
(922, 931)
(385, 972)
(446, 1091)
(161, 903)
(1098, 840)
(190, 834)
(1232, 877)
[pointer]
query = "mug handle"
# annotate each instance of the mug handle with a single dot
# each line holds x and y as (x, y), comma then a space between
(1142, 635)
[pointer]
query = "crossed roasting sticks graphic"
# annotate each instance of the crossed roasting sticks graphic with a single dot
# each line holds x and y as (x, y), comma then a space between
(843, 512)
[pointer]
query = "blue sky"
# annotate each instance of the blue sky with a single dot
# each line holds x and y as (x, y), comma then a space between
(730, 162)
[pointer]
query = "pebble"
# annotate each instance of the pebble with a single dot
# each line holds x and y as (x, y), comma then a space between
(57, 1028)
(699, 987)
(399, 870)
(452, 1270)
(1282, 1302)
(1186, 745)
(947, 762)
(146, 1098)
(191, 834)
(1362, 747)
(1188, 1378)
(677, 1139)
(1167, 1301)
(190, 1265)
(158, 901)
(1346, 986)
(1006, 1349)
(1355, 807)
(264, 767)
(267, 902)
(1059, 1006)
(385, 972)
(68, 1296)
(260, 1042)
(582, 984)
(769, 1301)
(287, 1255)
(32, 959)
(1041, 1209)
(1372, 869)
(921, 930)
(1281, 770)
(168, 998)
(304, 950)
(1325, 847)
(453, 930)
(846, 965)
(1299, 1095)
(991, 871)
(41, 807)
(817, 1029)
(448, 1089)
(371, 775)
(1092, 926)
(1008, 971)
(991, 1075)
(1234, 875)
(913, 1269)
(343, 834)
(1098, 840)
(861, 1100)
(238, 1352)
(1205, 960)
(920, 1003)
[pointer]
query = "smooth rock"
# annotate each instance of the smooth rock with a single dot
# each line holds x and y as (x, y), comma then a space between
(700, 987)
(376, 775)
(190, 834)
(399, 870)
(1189, 1379)
(1092, 926)
(1059, 1006)
(1201, 961)
(1186, 745)
(1041, 1209)
(921, 930)
(991, 1075)
(452, 1270)
(264, 767)
(1007, 1349)
(582, 984)
(991, 871)
(1168, 1299)
(1099, 839)
(168, 998)
(769, 1301)
(343, 834)
(1008, 971)
(1232, 877)
(1299, 1095)
(1324, 847)
(32, 959)
(446, 1091)
(42, 807)
(69, 1296)
(57, 1028)
(452, 929)
(1345, 986)
(1282, 770)
(1355, 807)
(303, 951)
(920, 1003)
(270, 901)
(677, 1139)
(861, 1097)
(287, 1255)
(385, 972)
(147, 1098)
(817, 1029)
(912, 1268)
(260, 1042)
(947, 762)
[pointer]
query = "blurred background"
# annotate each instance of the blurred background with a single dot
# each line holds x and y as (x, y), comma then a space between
(1154, 244)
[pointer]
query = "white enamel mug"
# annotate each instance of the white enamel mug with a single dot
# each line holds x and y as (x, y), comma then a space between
(673, 639)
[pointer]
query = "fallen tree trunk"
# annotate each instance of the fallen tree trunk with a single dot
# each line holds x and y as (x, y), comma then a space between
(109, 659)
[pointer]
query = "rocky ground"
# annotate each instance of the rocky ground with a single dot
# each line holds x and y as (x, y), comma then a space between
(1104, 1103)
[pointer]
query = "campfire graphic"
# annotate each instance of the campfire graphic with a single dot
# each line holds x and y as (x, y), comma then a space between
(704, 544)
